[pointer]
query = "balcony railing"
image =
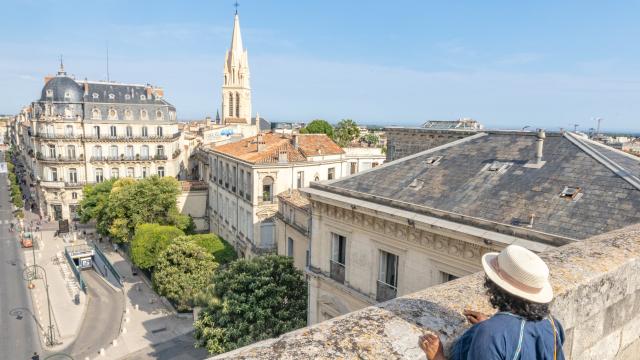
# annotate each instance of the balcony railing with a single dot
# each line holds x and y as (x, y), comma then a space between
(57, 136)
(132, 138)
(337, 271)
(127, 158)
(385, 291)
(41, 157)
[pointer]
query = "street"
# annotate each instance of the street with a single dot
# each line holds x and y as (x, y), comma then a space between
(179, 348)
(19, 336)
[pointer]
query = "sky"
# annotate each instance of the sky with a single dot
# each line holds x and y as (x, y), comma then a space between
(504, 63)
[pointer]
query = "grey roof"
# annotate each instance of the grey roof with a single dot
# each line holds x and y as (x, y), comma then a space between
(62, 89)
(459, 186)
(120, 94)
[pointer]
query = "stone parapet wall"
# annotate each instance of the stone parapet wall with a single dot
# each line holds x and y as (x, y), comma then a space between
(402, 142)
(597, 291)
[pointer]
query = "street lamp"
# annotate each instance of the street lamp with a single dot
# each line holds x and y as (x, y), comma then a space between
(32, 276)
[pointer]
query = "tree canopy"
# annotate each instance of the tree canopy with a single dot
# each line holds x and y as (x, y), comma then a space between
(346, 131)
(118, 206)
(371, 139)
(318, 126)
(249, 301)
(221, 250)
(149, 241)
(183, 269)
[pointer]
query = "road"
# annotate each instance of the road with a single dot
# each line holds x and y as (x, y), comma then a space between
(18, 334)
(179, 348)
(102, 320)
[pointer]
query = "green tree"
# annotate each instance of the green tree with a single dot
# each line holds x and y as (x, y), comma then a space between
(371, 139)
(183, 269)
(346, 131)
(318, 126)
(94, 205)
(149, 241)
(221, 250)
(249, 301)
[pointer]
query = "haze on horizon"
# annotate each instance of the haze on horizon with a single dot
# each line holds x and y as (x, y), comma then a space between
(504, 64)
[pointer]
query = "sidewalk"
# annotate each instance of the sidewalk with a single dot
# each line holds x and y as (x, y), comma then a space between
(147, 320)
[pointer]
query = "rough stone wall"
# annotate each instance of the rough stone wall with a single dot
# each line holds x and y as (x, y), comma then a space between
(597, 291)
(403, 142)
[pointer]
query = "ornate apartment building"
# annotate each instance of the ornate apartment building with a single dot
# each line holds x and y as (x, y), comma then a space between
(83, 132)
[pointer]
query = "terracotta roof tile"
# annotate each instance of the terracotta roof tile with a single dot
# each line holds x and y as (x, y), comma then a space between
(274, 144)
(295, 198)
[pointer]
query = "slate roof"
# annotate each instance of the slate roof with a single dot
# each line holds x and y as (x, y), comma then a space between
(460, 183)
(274, 144)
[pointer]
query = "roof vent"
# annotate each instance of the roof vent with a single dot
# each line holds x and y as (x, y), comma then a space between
(416, 184)
(432, 160)
(497, 167)
(571, 193)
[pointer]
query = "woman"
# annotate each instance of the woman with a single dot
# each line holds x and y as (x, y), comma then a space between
(517, 283)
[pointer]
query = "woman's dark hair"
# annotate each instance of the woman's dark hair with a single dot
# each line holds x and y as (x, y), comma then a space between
(503, 301)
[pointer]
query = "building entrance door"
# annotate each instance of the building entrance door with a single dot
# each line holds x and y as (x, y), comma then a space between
(57, 212)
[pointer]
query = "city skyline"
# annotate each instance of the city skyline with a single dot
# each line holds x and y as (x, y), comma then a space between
(505, 65)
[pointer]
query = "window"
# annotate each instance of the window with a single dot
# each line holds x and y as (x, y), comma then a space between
(233, 179)
(433, 160)
(98, 175)
(290, 247)
(331, 173)
(95, 95)
(51, 131)
(338, 257)
(145, 133)
(248, 194)
(129, 152)
(113, 114)
(159, 115)
(96, 132)
(300, 179)
(112, 96)
(52, 151)
(144, 115)
(129, 131)
(71, 152)
(571, 193)
(73, 176)
(238, 105)
(74, 195)
(230, 105)
(160, 151)
(317, 178)
(161, 171)
(131, 172)
(113, 131)
(113, 152)
(159, 131)
(142, 97)
(95, 114)
(267, 189)
(68, 130)
(144, 152)
(115, 173)
(446, 277)
(49, 93)
(53, 174)
(97, 152)
(241, 184)
(353, 168)
(144, 172)
(387, 286)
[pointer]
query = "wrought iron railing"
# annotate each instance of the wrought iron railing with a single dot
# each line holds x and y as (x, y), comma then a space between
(337, 271)
(385, 291)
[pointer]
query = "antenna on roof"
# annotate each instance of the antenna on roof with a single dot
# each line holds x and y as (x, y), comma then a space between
(236, 6)
(108, 79)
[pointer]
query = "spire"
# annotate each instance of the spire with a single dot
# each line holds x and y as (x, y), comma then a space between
(61, 69)
(236, 40)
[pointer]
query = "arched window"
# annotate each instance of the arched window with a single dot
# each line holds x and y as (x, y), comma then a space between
(111, 96)
(128, 114)
(95, 113)
(113, 114)
(267, 189)
(230, 104)
(159, 115)
(237, 105)
(144, 115)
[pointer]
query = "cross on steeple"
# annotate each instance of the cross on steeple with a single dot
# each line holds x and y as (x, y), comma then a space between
(61, 70)
(236, 6)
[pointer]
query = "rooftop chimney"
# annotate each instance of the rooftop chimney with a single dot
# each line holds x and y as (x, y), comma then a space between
(539, 145)
(260, 142)
(296, 140)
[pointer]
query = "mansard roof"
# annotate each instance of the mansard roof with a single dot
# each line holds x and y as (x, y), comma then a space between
(486, 180)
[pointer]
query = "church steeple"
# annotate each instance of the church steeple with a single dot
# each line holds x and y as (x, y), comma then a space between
(236, 89)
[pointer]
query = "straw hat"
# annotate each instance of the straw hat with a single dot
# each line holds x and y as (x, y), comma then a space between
(519, 272)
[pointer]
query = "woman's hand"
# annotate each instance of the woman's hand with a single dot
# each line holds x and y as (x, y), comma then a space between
(432, 347)
(474, 317)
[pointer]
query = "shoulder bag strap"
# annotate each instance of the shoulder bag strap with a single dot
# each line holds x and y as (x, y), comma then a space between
(519, 348)
(555, 346)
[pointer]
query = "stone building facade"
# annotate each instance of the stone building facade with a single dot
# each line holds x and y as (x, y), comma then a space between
(84, 132)
(405, 141)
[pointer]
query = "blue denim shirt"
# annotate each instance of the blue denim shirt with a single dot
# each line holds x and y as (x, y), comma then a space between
(497, 338)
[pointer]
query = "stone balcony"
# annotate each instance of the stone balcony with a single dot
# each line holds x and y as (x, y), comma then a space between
(597, 300)
(123, 158)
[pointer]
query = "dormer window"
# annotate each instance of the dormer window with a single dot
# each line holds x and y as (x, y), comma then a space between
(127, 97)
(144, 115)
(142, 97)
(111, 96)
(128, 115)
(571, 193)
(95, 95)
(159, 115)
(49, 93)
(67, 94)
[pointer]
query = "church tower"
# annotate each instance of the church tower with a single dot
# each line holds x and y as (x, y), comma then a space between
(236, 91)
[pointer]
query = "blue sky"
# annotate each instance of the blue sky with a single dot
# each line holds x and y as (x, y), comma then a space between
(504, 63)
